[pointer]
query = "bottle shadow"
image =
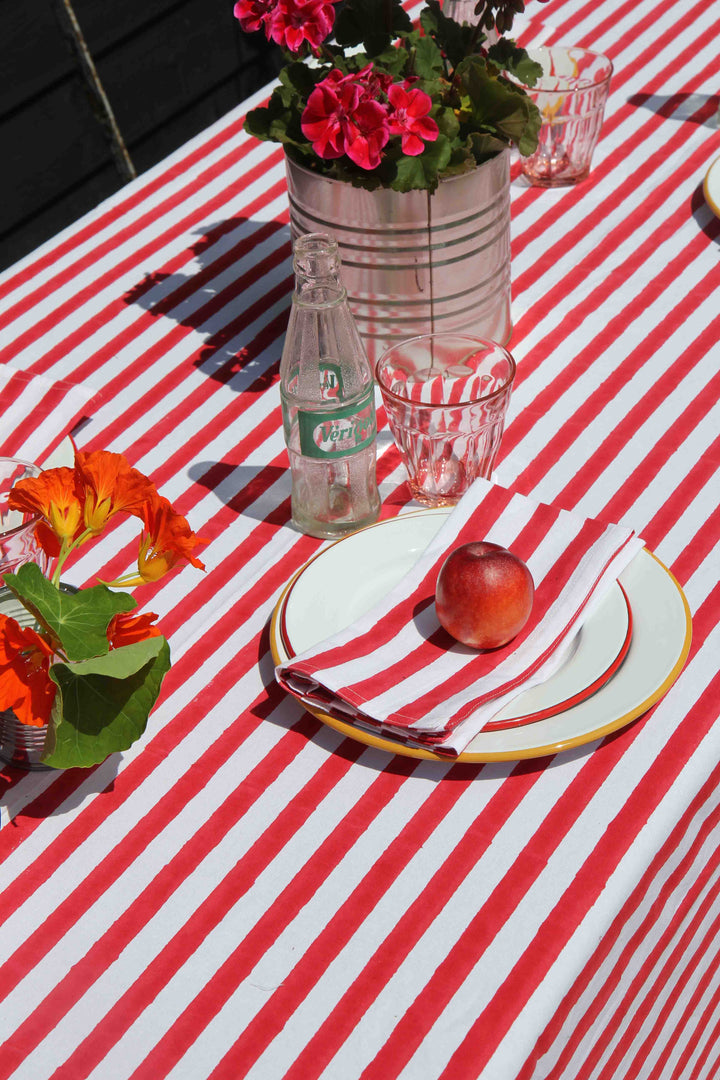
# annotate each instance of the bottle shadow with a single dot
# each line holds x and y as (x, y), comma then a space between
(246, 489)
(237, 295)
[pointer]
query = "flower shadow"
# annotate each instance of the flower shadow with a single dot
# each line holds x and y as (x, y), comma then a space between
(51, 792)
(235, 291)
(702, 109)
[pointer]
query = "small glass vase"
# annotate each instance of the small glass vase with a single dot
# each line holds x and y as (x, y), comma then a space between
(21, 745)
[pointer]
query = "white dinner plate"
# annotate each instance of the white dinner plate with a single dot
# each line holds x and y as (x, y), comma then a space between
(711, 187)
(346, 579)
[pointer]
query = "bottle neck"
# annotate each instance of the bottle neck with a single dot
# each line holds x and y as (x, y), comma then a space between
(317, 270)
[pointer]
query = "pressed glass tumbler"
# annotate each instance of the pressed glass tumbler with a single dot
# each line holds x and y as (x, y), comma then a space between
(18, 543)
(446, 397)
(571, 97)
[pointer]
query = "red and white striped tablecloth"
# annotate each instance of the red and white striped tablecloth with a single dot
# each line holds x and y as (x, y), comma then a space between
(247, 893)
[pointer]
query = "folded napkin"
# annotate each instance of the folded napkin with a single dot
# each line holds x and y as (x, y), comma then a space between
(398, 673)
(37, 413)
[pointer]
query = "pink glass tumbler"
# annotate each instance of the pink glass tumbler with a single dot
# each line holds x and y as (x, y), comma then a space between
(18, 543)
(571, 97)
(446, 397)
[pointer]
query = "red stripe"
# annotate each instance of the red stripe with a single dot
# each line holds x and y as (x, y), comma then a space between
(633, 1008)
(603, 341)
(236, 883)
(268, 1023)
(603, 995)
(711, 1037)
(584, 891)
(673, 1036)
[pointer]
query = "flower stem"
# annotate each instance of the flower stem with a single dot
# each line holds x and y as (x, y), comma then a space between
(66, 548)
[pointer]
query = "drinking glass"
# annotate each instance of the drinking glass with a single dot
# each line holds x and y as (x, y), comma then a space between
(446, 396)
(571, 96)
(18, 543)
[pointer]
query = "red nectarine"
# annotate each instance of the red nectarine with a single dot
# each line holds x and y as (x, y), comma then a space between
(484, 595)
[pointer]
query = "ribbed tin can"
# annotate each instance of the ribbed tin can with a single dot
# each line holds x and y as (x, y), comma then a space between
(415, 263)
(21, 745)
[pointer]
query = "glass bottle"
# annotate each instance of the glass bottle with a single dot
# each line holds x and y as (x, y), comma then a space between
(328, 399)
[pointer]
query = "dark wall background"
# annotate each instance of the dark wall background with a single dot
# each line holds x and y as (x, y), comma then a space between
(168, 69)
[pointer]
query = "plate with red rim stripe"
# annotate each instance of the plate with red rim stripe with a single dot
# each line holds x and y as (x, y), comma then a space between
(629, 651)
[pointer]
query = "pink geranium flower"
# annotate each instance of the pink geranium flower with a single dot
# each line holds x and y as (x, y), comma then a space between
(325, 117)
(291, 22)
(409, 118)
(366, 134)
(341, 118)
(252, 14)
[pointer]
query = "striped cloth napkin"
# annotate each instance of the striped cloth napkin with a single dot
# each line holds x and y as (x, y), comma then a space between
(36, 413)
(398, 673)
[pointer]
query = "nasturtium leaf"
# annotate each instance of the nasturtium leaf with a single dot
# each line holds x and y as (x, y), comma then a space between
(78, 620)
(102, 705)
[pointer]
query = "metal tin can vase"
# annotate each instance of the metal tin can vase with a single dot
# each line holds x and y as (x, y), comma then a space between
(415, 263)
(21, 745)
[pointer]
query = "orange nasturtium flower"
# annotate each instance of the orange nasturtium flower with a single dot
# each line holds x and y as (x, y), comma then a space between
(52, 495)
(127, 628)
(25, 686)
(106, 485)
(167, 538)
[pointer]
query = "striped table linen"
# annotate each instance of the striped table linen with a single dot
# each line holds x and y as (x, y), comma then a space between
(37, 413)
(397, 672)
(248, 893)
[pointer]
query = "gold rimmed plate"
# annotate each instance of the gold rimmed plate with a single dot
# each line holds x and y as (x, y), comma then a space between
(711, 187)
(630, 650)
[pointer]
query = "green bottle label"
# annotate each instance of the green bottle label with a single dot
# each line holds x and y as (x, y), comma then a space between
(340, 433)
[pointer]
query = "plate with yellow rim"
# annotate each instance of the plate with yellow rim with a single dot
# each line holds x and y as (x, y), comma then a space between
(711, 187)
(346, 579)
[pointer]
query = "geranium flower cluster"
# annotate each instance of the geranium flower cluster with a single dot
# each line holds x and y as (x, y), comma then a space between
(289, 23)
(346, 114)
(73, 506)
(374, 97)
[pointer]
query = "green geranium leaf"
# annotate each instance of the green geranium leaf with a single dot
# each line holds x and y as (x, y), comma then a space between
(79, 621)
(521, 122)
(428, 59)
(453, 39)
(423, 171)
(392, 61)
(512, 58)
(263, 122)
(365, 22)
(484, 146)
(102, 705)
(300, 78)
(446, 121)
(491, 104)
